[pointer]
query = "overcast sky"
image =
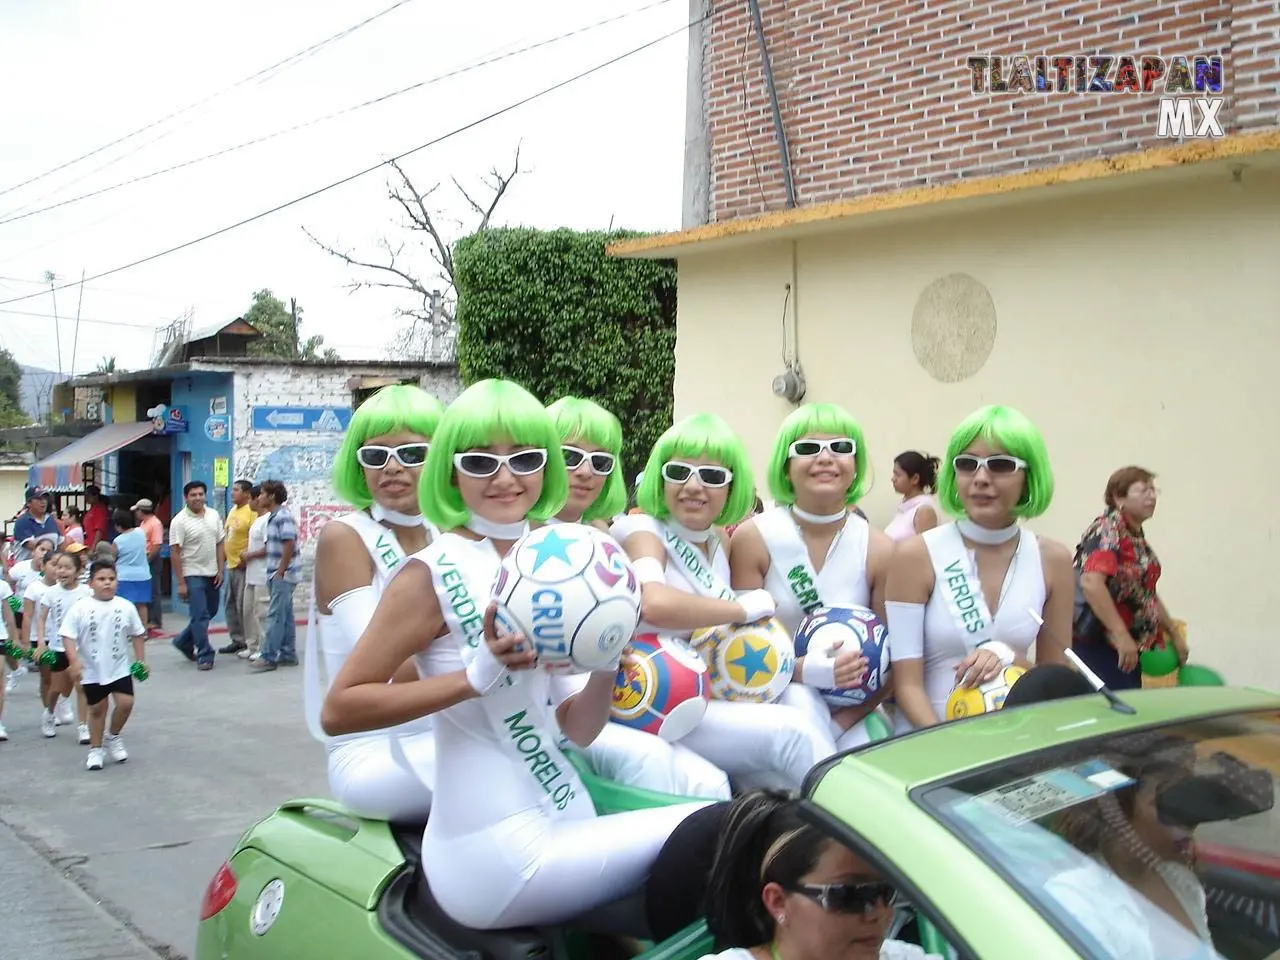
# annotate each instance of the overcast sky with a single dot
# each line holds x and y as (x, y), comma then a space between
(81, 73)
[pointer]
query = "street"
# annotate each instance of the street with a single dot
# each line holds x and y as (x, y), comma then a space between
(112, 865)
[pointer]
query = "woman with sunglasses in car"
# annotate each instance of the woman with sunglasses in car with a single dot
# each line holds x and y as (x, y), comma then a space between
(513, 839)
(810, 551)
(696, 480)
(968, 598)
(780, 889)
(381, 774)
(591, 441)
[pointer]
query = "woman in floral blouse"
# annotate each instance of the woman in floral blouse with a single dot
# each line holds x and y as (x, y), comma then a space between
(1118, 570)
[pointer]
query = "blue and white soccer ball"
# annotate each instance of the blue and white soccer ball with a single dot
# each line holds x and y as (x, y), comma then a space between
(571, 591)
(860, 629)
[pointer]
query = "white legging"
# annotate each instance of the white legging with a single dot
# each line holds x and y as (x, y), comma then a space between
(529, 870)
(810, 700)
(761, 744)
(385, 776)
(643, 760)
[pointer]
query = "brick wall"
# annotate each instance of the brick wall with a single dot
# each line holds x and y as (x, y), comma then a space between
(303, 460)
(875, 96)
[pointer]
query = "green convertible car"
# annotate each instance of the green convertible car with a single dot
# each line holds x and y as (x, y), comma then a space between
(1064, 829)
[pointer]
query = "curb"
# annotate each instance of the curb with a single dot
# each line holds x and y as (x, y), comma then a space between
(221, 629)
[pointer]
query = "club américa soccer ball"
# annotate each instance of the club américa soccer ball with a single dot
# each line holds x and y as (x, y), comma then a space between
(859, 629)
(571, 591)
(984, 698)
(750, 662)
(661, 687)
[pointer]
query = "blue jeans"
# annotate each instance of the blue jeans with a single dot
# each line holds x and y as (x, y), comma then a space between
(279, 643)
(202, 603)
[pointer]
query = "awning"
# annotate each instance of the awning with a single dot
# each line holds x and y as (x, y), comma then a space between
(61, 471)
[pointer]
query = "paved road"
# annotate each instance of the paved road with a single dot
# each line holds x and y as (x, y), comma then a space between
(209, 753)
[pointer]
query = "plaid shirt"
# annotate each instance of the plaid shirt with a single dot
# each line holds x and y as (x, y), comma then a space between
(280, 527)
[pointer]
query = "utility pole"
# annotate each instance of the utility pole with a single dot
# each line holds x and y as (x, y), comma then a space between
(51, 279)
(437, 311)
(75, 340)
(293, 313)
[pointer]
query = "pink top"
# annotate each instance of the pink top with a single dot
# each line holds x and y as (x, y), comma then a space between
(902, 526)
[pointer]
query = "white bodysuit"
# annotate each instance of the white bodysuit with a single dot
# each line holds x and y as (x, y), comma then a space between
(381, 774)
(757, 744)
(1021, 595)
(841, 580)
(513, 839)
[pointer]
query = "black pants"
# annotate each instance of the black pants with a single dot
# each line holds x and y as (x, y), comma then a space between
(154, 612)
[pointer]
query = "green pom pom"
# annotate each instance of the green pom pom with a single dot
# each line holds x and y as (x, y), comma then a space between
(139, 670)
(48, 658)
(15, 603)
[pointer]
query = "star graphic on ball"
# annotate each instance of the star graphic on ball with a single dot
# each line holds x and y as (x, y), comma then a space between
(752, 660)
(551, 546)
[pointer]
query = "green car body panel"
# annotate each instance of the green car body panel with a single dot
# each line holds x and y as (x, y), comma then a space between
(336, 867)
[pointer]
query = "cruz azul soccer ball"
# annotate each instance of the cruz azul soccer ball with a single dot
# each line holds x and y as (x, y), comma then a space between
(571, 591)
(661, 687)
(752, 662)
(861, 630)
(987, 698)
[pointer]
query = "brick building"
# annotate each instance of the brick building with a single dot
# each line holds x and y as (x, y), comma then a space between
(932, 244)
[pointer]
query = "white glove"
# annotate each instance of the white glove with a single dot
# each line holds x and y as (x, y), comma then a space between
(820, 669)
(486, 672)
(756, 605)
(1001, 650)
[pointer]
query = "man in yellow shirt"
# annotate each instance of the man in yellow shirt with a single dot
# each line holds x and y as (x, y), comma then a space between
(239, 519)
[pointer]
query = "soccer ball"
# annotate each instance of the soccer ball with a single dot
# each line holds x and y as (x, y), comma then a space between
(571, 591)
(859, 628)
(986, 698)
(751, 662)
(661, 687)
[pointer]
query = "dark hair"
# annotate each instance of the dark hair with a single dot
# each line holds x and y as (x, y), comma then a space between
(245, 485)
(917, 464)
(763, 841)
(75, 513)
(1048, 681)
(275, 490)
(93, 490)
(194, 485)
(123, 518)
(101, 565)
(75, 556)
(255, 490)
(1118, 483)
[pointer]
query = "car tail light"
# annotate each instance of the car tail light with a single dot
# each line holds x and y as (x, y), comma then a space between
(219, 893)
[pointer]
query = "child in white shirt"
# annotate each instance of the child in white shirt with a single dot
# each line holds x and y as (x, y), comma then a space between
(8, 629)
(51, 610)
(97, 632)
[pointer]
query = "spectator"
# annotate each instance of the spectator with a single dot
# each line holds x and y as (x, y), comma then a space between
(196, 551)
(239, 519)
(133, 574)
(284, 570)
(37, 523)
(255, 579)
(73, 525)
(153, 529)
(97, 520)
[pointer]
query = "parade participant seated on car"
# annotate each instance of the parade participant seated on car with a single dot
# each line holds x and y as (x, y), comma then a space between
(968, 598)
(591, 439)
(780, 889)
(508, 843)
(383, 774)
(818, 470)
(698, 479)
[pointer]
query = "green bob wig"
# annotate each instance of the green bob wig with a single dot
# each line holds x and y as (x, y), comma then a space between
(808, 421)
(1008, 429)
(585, 420)
(701, 435)
(490, 412)
(402, 408)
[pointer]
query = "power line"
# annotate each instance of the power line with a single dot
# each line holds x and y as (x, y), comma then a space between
(109, 323)
(15, 215)
(380, 164)
(277, 67)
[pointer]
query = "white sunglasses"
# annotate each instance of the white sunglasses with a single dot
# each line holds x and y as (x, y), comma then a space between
(840, 447)
(601, 463)
(376, 457)
(677, 471)
(998, 464)
(481, 466)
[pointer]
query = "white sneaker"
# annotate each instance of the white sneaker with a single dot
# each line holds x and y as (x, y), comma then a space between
(255, 656)
(115, 748)
(4, 734)
(82, 733)
(245, 654)
(48, 726)
(11, 681)
(64, 714)
(94, 762)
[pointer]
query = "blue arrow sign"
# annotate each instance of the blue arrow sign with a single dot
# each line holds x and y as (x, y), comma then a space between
(318, 419)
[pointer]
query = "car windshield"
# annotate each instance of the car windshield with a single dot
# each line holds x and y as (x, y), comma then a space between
(1161, 844)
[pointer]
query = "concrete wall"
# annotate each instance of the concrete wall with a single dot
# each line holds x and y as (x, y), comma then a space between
(1136, 326)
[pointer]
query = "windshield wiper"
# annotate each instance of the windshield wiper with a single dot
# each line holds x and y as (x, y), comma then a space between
(1116, 703)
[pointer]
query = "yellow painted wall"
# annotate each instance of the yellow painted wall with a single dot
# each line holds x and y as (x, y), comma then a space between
(123, 400)
(13, 491)
(1138, 326)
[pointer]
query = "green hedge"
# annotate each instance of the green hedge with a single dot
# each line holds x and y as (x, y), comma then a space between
(552, 312)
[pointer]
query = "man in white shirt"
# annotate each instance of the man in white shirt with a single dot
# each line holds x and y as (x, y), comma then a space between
(197, 555)
(255, 578)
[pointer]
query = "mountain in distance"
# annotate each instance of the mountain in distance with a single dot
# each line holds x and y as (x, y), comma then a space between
(36, 389)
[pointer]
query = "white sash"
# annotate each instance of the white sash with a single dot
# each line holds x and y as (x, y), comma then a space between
(956, 577)
(699, 573)
(790, 557)
(516, 714)
(388, 556)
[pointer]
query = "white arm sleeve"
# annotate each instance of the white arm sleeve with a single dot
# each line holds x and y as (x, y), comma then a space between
(649, 570)
(352, 611)
(564, 686)
(906, 629)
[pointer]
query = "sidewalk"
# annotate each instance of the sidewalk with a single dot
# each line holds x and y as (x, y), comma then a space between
(176, 621)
